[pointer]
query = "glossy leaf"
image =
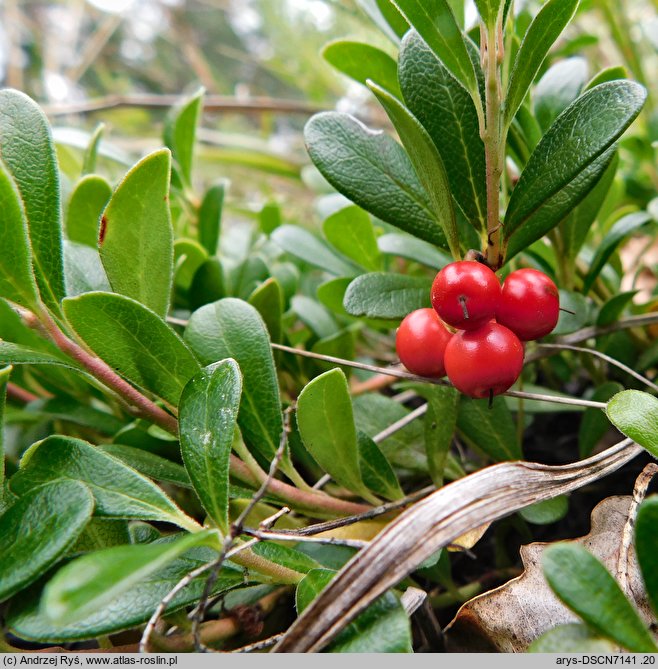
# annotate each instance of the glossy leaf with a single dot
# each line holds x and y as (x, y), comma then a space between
(571, 638)
(386, 17)
(372, 170)
(621, 229)
(86, 204)
(15, 354)
(546, 512)
(595, 424)
(134, 341)
(326, 425)
(286, 556)
(607, 74)
(558, 88)
(587, 588)
(83, 269)
(435, 23)
(189, 256)
(314, 316)
(576, 226)
(38, 529)
(581, 136)
(385, 295)
(544, 30)
(414, 249)
(448, 114)
(393, 17)
(612, 310)
(440, 425)
(17, 281)
(231, 328)
(635, 414)
(210, 216)
(426, 161)
(136, 237)
(208, 284)
(490, 430)
(351, 232)
(268, 301)
(361, 61)
(207, 421)
(304, 245)
(91, 152)
(489, 10)
(27, 150)
(376, 471)
(71, 410)
(147, 463)
(134, 607)
(576, 316)
(180, 133)
(93, 581)
(382, 628)
(646, 545)
(118, 490)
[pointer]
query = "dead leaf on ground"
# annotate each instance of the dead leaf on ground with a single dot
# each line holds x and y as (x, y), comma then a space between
(509, 618)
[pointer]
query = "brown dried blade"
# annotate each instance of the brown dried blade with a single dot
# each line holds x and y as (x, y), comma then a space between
(431, 524)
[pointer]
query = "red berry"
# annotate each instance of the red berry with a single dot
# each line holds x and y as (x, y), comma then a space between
(465, 294)
(421, 341)
(484, 361)
(529, 304)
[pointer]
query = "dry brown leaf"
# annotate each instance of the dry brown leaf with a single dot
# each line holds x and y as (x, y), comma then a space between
(433, 523)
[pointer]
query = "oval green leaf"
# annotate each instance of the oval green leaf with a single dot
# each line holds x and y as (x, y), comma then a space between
(635, 414)
(646, 545)
(86, 204)
(350, 230)
(180, 133)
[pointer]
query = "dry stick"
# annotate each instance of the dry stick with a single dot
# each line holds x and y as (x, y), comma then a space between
(265, 535)
(639, 492)
(484, 496)
(234, 532)
(440, 382)
(603, 356)
(218, 103)
(260, 645)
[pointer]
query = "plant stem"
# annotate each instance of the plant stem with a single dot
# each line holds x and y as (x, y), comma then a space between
(101, 371)
(494, 146)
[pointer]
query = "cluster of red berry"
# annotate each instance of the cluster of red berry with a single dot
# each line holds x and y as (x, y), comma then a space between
(485, 356)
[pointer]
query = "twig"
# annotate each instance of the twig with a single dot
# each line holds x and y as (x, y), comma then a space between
(280, 536)
(399, 424)
(603, 356)
(216, 103)
(236, 530)
(260, 645)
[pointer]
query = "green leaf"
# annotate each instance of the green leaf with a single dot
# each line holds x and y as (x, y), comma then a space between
(612, 310)
(386, 17)
(93, 581)
(231, 328)
(646, 545)
(361, 61)
(621, 229)
(268, 301)
(15, 354)
(91, 152)
(570, 322)
(558, 88)
(4, 379)
(414, 249)
(372, 170)
(38, 529)
(491, 430)
(134, 341)
(189, 256)
(426, 161)
(83, 269)
(331, 293)
(489, 11)
(576, 225)
(382, 628)
(68, 409)
(180, 133)
(134, 607)
(136, 236)
(588, 589)
(376, 471)
(544, 30)
(118, 490)
(579, 139)
(285, 556)
(27, 150)
(448, 114)
(208, 284)
(435, 23)
(546, 512)
(207, 421)
(350, 231)
(210, 216)
(326, 425)
(440, 425)
(86, 204)
(607, 74)
(385, 295)
(314, 316)
(339, 345)
(571, 638)
(17, 282)
(151, 465)
(304, 245)
(635, 414)
(594, 424)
